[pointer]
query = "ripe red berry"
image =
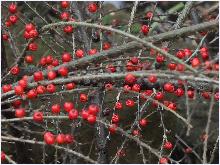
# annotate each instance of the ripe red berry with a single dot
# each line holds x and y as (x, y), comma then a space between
(19, 90)
(29, 27)
(206, 95)
(51, 88)
(64, 16)
(68, 29)
(143, 122)
(136, 88)
(118, 105)
(190, 93)
(172, 106)
(43, 61)
(180, 54)
(145, 29)
(179, 92)
(92, 51)
(64, 4)
(91, 119)
(19, 113)
(84, 114)
(130, 79)
(51, 75)
(168, 87)
(92, 7)
(13, 19)
(32, 94)
(159, 96)
(168, 145)
(49, 59)
(115, 118)
(160, 58)
(73, 114)
(60, 139)
(33, 33)
(41, 89)
(106, 46)
(93, 109)
(38, 116)
(15, 70)
(129, 102)
(180, 67)
(163, 160)
(23, 83)
(195, 62)
(152, 78)
(216, 96)
(55, 62)
(3, 157)
(32, 47)
(68, 106)
(12, 8)
(187, 52)
(112, 128)
(69, 139)
(29, 59)
(63, 71)
(108, 86)
(49, 138)
(172, 66)
(149, 15)
(79, 53)
(5, 37)
(16, 103)
(38, 76)
(55, 108)
(70, 86)
(6, 88)
(83, 97)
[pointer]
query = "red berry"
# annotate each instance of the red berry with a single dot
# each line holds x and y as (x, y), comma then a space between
(41, 89)
(60, 139)
(38, 116)
(91, 119)
(15, 70)
(108, 86)
(160, 58)
(73, 114)
(38, 76)
(5, 37)
(195, 62)
(70, 86)
(106, 46)
(130, 78)
(159, 96)
(168, 145)
(29, 59)
(51, 75)
(205, 56)
(49, 59)
(172, 66)
(93, 109)
(68, 29)
(143, 122)
(49, 138)
(32, 94)
(112, 128)
(180, 67)
(136, 132)
(55, 108)
(19, 90)
(3, 157)
(13, 19)
(84, 114)
(92, 51)
(145, 29)
(190, 93)
(180, 54)
(172, 106)
(134, 60)
(6, 88)
(69, 139)
(19, 113)
(206, 95)
(83, 97)
(43, 61)
(92, 7)
(29, 27)
(51, 88)
(152, 78)
(187, 52)
(55, 62)
(16, 103)
(79, 53)
(66, 57)
(136, 88)
(129, 102)
(168, 87)
(115, 118)
(217, 96)
(163, 160)
(179, 92)
(126, 88)
(63, 71)
(64, 4)
(32, 47)
(8, 23)
(149, 15)
(12, 8)
(68, 106)
(64, 16)
(118, 105)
